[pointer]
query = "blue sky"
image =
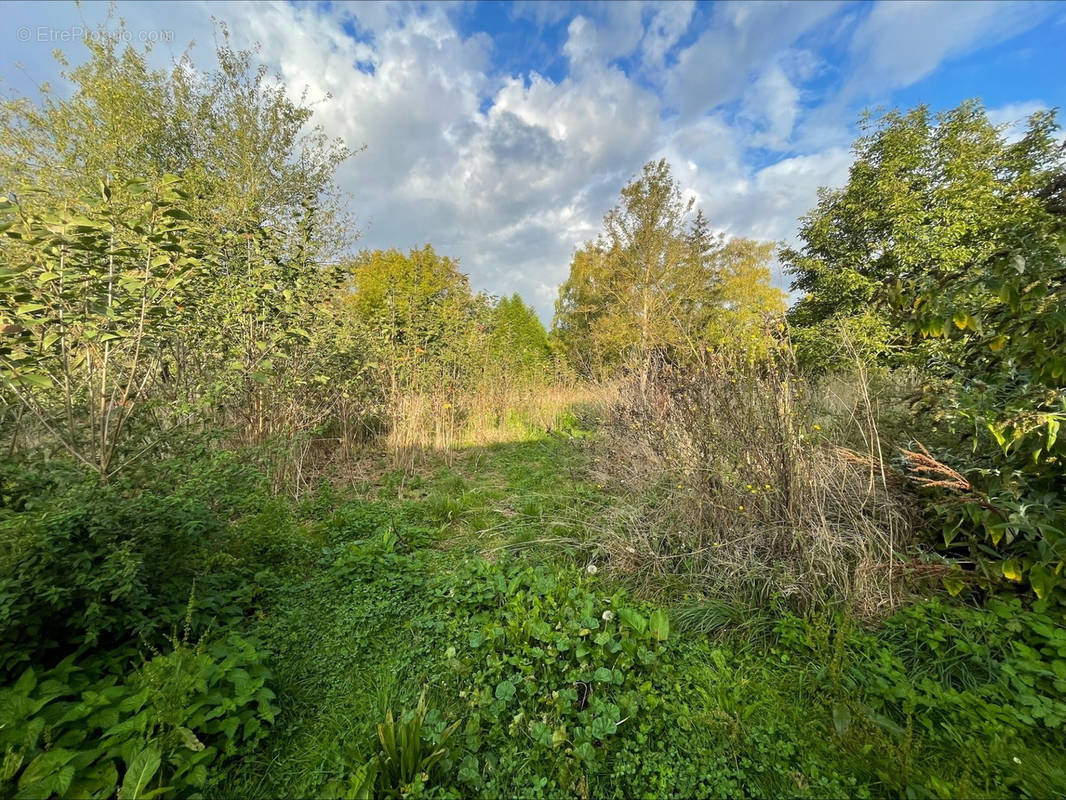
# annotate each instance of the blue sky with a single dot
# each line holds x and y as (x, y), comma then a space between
(502, 132)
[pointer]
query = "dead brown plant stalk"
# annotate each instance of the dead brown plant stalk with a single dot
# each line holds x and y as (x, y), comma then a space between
(731, 488)
(927, 471)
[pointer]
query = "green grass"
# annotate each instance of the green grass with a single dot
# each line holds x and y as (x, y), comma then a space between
(466, 578)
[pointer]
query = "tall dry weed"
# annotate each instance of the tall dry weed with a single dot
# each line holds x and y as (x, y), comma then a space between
(734, 488)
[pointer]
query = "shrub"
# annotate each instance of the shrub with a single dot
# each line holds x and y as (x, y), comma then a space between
(87, 564)
(939, 680)
(75, 731)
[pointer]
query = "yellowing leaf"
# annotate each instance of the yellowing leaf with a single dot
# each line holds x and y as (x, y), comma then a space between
(559, 736)
(954, 584)
(190, 740)
(1042, 580)
(997, 344)
(1012, 570)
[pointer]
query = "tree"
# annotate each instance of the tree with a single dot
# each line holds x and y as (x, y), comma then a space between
(949, 244)
(90, 299)
(927, 198)
(628, 285)
(416, 311)
(255, 179)
(645, 239)
(581, 329)
(518, 340)
(242, 345)
(652, 284)
(624, 290)
(744, 301)
(242, 146)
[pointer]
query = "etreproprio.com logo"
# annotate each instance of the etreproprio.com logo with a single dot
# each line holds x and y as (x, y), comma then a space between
(78, 33)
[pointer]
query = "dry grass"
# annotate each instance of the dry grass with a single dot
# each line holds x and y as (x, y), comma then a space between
(421, 428)
(735, 490)
(420, 424)
(929, 473)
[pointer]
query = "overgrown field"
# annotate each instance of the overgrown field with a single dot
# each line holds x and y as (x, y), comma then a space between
(283, 519)
(474, 587)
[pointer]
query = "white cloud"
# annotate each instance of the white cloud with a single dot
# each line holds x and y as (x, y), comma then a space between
(741, 38)
(543, 12)
(511, 172)
(899, 43)
(771, 106)
(615, 33)
(668, 23)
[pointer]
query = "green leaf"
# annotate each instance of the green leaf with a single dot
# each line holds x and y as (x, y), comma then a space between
(841, 720)
(140, 770)
(34, 379)
(505, 690)
(361, 783)
(100, 780)
(177, 213)
(26, 682)
(633, 619)
(45, 765)
(660, 625)
(57, 783)
(1042, 580)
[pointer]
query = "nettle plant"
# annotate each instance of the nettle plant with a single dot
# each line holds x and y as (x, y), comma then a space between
(552, 665)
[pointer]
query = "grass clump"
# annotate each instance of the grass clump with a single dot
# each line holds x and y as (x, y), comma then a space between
(729, 483)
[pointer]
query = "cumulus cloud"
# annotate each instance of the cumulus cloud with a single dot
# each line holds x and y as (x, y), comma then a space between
(511, 169)
(715, 69)
(615, 33)
(665, 27)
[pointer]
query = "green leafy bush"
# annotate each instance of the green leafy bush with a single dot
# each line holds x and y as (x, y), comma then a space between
(939, 680)
(91, 565)
(946, 250)
(74, 731)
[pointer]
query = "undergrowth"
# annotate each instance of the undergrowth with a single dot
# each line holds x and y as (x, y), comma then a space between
(451, 633)
(557, 681)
